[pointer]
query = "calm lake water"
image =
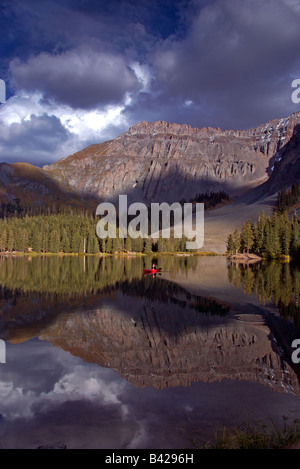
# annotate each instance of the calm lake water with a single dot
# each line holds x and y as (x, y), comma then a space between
(100, 356)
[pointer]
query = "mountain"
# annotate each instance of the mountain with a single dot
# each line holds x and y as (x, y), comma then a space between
(148, 354)
(150, 344)
(34, 187)
(169, 162)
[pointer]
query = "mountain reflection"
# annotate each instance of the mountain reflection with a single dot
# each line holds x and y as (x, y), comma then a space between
(152, 331)
(38, 289)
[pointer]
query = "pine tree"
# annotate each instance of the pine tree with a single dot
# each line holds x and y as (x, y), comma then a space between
(82, 247)
(285, 234)
(3, 240)
(259, 230)
(54, 243)
(267, 244)
(247, 236)
(128, 244)
(176, 244)
(295, 237)
(115, 244)
(65, 241)
(230, 244)
(23, 240)
(161, 245)
(182, 244)
(108, 245)
(10, 240)
(102, 245)
(137, 244)
(93, 245)
(271, 247)
(75, 242)
(147, 246)
(275, 235)
(236, 238)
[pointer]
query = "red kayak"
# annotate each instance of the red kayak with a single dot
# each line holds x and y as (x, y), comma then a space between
(151, 271)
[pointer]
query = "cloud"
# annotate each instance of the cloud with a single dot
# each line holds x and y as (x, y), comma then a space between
(80, 384)
(222, 63)
(228, 45)
(45, 132)
(235, 57)
(81, 78)
(39, 131)
(38, 137)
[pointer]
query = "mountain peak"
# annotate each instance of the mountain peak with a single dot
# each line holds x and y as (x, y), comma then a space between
(168, 161)
(163, 127)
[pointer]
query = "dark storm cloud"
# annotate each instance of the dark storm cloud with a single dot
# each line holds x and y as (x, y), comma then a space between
(226, 57)
(80, 53)
(223, 63)
(231, 42)
(127, 27)
(32, 139)
(236, 62)
(80, 78)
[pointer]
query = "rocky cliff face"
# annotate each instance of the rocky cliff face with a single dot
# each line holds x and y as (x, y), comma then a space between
(285, 164)
(169, 162)
(158, 346)
(163, 161)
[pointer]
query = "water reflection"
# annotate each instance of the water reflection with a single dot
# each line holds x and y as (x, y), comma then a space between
(152, 331)
(73, 275)
(35, 291)
(273, 281)
(99, 355)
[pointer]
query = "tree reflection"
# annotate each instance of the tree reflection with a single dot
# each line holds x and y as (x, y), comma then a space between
(274, 281)
(37, 288)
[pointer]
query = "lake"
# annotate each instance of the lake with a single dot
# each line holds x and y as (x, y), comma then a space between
(99, 355)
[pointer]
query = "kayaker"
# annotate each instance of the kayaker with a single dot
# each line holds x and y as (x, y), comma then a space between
(154, 266)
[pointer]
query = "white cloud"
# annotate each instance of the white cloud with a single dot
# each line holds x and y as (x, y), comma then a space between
(86, 91)
(17, 402)
(75, 129)
(293, 4)
(80, 384)
(81, 78)
(143, 74)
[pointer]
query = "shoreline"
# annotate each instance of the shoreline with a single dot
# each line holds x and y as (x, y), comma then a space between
(245, 257)
(105, 254)
(250, 257)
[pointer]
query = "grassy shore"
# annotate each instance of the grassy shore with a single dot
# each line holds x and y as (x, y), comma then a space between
(258, 435)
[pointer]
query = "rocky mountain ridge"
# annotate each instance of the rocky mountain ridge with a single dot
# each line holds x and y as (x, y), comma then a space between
(34, 187)
(167, 162)
(161, 347)
(164, 161)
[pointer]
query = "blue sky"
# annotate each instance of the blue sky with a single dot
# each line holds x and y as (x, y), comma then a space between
(83, 71)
